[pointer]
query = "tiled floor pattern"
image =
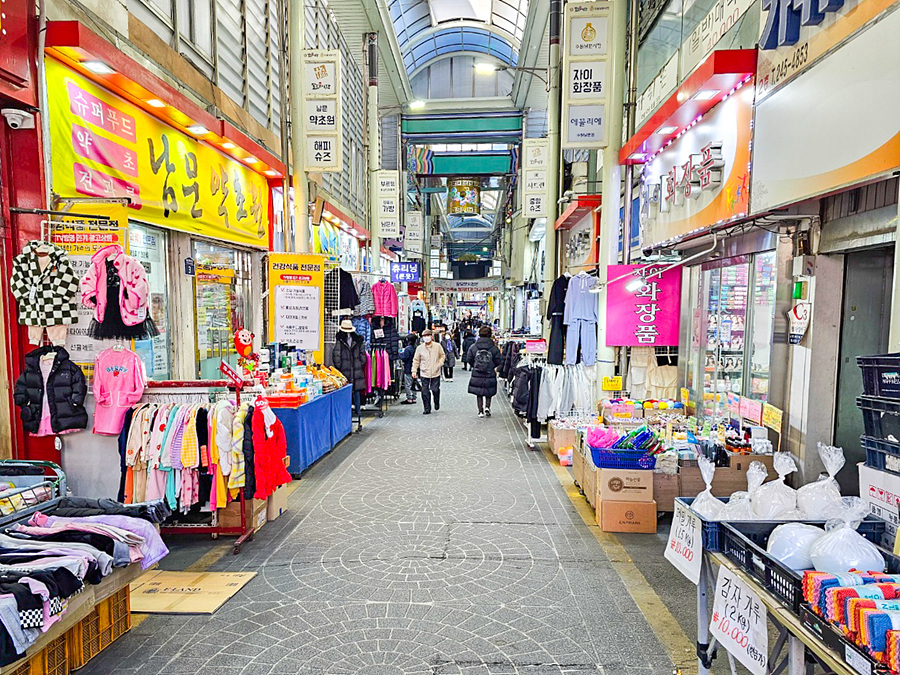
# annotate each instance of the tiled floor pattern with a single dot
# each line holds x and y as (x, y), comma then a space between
(438, 545)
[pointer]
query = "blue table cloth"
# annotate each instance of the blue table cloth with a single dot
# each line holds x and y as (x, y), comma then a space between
(314, 428)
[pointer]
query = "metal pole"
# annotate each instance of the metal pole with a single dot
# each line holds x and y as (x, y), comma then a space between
(554, 175)
(285, 106)
(297, 34)
(703, 612)
(630, 122)
(894, 334)
(374, 154)
(612, 180)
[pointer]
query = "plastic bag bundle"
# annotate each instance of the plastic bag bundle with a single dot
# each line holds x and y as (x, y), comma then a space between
(738, 507)
(775, 499)
(822, 500)
(842, 548)
(791, 544)
(705, 505)
(756, 476)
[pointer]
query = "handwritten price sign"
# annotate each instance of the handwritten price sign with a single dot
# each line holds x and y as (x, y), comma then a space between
(685, 546)
(739, 622)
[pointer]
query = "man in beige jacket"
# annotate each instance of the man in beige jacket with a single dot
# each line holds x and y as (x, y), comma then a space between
(427, 362)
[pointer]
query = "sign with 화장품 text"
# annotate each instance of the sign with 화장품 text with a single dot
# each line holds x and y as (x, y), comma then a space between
(739, 622)
(648, 315)
(685, 546)
(586, 73)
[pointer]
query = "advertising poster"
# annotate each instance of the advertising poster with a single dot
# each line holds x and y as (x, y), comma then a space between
(646, 316)
(296, 300)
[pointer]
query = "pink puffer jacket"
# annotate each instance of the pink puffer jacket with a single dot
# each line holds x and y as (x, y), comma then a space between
(133, 291)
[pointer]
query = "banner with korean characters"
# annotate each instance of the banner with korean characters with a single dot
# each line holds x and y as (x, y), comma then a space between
(535, 155)
(103, 146)
(81, 238)
(739, 622)
(388, 204)
(723, 16)
(586, 75)
(296, 299)
(703, 178)
(414, 241)
(322, 111)
(648, 315)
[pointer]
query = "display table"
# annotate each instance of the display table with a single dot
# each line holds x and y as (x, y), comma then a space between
(314, 428)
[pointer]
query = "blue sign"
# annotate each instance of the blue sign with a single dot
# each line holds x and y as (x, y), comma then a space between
(405, 271)
(785, 17)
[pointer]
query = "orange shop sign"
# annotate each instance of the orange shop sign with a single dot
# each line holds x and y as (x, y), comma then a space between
(103, 146)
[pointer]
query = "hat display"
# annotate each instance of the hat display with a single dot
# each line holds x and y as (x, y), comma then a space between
(347, 326)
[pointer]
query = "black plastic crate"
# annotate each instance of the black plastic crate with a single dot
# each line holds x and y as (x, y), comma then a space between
(833, 638)
(881, 375)
(881, 416)
(744, 543)
(882, 455)
(710, 527)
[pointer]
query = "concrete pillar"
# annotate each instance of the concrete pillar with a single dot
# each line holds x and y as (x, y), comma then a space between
(297, 36)
(554, 175)
(374, 148)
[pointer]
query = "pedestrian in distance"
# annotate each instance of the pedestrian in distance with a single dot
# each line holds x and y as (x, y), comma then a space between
(484, 358)
(450, 355)
(427, 363)
(468, 341)
(409, 351)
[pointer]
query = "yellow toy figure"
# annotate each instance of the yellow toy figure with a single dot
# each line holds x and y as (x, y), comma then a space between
(243, 345)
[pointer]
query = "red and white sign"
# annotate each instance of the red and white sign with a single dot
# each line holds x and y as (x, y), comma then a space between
(739, 622)
(535, 346)
(685, 546)
(233, 376)
(648, 316)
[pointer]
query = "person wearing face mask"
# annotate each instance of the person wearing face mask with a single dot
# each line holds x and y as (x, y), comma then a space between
(427, 363)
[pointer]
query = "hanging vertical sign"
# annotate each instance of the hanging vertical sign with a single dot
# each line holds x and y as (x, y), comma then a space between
(322, 110)
(534, 177)
(464, 196)
(415, 232)
(388, 204)
(586, 75)
(296, 299)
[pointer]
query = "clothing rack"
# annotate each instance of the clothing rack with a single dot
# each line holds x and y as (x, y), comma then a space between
(245, 530)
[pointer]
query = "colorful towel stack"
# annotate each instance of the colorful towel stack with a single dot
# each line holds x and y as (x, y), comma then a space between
(874, 625)
(815, 584)
(856, 605)
(837, 599)
(892, 653)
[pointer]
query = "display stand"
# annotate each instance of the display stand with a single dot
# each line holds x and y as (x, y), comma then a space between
(245, 530)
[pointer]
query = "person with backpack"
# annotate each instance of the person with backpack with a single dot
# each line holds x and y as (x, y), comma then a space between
(484, 357)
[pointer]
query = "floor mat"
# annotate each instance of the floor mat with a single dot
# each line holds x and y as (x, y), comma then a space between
(185, 592)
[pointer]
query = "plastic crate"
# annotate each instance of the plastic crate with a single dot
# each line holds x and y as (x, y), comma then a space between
(881, 416)
(881, 375)
(744, 543)
(614, 458)
(51, 660)
(710, 527)
(882, 455)
(109, 621)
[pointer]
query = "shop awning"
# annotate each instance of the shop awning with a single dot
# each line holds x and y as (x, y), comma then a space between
(723, 72)
(99, 60)
(581, 206)
(338, 218)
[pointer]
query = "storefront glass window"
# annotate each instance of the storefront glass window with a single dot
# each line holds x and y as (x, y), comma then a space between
(148, 246)
(222, 304)
(763, 325)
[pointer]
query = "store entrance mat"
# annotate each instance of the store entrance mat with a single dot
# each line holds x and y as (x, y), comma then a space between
(185, 592)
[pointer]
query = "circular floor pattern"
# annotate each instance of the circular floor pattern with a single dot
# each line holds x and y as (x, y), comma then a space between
(431, 460)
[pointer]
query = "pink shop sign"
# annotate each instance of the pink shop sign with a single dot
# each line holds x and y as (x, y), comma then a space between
(648, 316)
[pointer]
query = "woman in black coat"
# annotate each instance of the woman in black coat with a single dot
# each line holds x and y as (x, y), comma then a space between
(468, 341)
(483, 357)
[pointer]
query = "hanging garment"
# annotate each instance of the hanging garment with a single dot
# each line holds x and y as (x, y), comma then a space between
(119, 381)
(363, 329)
(44, 286)
(348, 357)
(418, 324)
(347, 295)
(582, 333)
(270, 448)
(65, 387)
(580, 303)
(366, 305)
(386, 303)
(557, 342)
(116, 288)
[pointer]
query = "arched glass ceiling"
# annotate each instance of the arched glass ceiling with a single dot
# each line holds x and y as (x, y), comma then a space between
(417, 24)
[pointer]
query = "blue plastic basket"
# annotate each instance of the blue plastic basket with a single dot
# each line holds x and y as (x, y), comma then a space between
(615, 458)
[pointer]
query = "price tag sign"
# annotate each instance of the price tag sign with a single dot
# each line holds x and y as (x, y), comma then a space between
(685, 396)
(739, 622)
(685, 547)
(612, 383)
(771, 417)
(379, 333)
(535, 346)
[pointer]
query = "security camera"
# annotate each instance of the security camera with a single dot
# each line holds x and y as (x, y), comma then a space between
(18, 119)
(647, 252)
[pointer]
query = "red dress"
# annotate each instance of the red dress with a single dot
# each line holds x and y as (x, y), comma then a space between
(268, 456)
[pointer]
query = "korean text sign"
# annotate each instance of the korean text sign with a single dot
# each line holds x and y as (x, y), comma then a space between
(296, 299)
(647, 316)
(405, 271)
(103, 146)
(739, 622)
(685, 546)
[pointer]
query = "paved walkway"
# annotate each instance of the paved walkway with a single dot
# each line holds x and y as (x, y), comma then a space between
(439, 545)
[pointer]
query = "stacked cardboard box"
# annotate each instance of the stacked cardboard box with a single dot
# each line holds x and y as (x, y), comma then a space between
(624, 501)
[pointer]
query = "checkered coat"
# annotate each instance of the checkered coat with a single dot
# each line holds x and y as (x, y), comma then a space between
(47, 298)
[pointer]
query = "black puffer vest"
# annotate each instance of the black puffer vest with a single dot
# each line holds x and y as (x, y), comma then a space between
(66, 389)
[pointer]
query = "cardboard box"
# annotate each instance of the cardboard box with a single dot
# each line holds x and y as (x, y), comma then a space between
(589, 487)
(627, 517)
(881, 491)
(621, 485)
(230, 516)
(578, 467)
(666, 487)
(276, 504)
(561, 438)
(259, 519)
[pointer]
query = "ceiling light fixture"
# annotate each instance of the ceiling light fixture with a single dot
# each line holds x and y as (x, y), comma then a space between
(198, 129)
(635, 284)
(155, 103)
(706, 94)
(271, 173)
(667, 130)
(251, 160)
(485, 68)
(416, 105)
(228, 145)
(98, 67)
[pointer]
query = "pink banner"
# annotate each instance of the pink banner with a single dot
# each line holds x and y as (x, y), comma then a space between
(646, 316)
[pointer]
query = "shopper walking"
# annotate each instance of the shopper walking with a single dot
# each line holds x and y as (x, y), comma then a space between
(427, 362)
(450, 355)
(468, 341)
(409, 351)
(484, 357)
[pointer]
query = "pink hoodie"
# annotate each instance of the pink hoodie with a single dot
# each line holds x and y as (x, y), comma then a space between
(134, 285)
(118, 384)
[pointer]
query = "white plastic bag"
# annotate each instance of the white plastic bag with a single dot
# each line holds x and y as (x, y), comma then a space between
(791, 544)
(705, 505)
(756, 476)
(822, 500)
(737, 508)
(842, 548)
(775, 499)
